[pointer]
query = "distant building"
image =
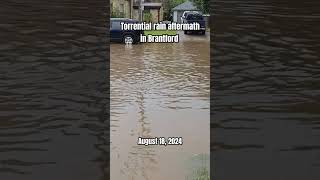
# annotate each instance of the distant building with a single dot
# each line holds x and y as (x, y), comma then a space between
(178, 10)
(154, 7)
(121, 8)
(135, 9)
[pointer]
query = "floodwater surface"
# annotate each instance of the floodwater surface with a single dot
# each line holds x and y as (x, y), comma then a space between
(159, 90)
(266, 72)
(53, 90)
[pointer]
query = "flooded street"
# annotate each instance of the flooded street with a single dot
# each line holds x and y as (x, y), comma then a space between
(159, 90)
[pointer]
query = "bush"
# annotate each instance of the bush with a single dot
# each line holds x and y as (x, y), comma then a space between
(199, 168)
(147, 17)
(116, 14)
(201, 174)
(203, 5)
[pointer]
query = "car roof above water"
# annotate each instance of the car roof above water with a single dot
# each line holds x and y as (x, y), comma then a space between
(194, 12)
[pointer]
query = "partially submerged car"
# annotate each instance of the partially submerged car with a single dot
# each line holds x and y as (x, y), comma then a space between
(123, 36)
(195, 17)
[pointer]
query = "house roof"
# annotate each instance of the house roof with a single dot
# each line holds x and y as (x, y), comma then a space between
(186, 6)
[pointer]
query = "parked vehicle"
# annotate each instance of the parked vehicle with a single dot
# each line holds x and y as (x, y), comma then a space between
(184, 15)
(123, 36)
(192, 17)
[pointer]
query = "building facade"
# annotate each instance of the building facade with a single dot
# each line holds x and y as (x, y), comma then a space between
(136, 9)
(121, 8)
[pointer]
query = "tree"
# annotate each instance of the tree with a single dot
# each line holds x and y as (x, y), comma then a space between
(168, 5)
(203, 5)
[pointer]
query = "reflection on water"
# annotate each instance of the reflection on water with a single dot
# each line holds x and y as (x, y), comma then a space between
(266, 72)
(158, 90)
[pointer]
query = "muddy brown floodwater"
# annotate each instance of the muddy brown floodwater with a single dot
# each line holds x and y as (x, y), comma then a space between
(159, 90)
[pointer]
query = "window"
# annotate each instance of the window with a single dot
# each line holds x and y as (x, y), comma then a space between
(121, 8)
(194, 17)
(115, 25)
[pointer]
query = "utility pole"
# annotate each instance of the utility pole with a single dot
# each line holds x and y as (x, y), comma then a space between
(131, 8)
(141, 7)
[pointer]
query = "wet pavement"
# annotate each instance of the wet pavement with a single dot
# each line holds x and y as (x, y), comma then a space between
(159, 90)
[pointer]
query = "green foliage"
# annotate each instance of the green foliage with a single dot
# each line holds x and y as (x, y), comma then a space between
(199, 168)
(168, 5)
(147, 16)
(203, 5)
(116, 14)
(200, 174)
(160, 32)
